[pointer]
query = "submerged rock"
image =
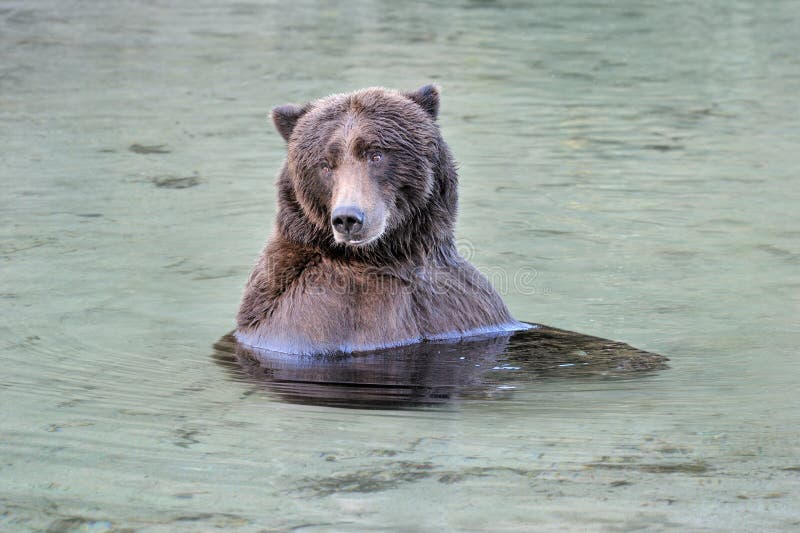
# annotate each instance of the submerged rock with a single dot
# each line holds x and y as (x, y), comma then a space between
(137, 148)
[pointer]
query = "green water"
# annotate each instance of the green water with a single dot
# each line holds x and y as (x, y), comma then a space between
(640, 157)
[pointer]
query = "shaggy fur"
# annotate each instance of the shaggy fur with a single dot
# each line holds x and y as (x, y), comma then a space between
(397, 277)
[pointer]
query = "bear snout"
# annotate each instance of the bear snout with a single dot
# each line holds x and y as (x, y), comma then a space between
(355, 225)
(348, 220)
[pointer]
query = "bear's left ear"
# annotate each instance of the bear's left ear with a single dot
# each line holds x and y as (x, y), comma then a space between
(427, 98)
(285, 118)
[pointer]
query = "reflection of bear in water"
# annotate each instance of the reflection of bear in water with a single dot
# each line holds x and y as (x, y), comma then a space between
(483, 367)
(363, 253)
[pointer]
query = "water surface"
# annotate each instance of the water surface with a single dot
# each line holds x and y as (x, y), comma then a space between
(639, 158)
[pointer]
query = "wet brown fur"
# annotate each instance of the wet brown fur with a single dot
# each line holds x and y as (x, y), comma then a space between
(311, 294)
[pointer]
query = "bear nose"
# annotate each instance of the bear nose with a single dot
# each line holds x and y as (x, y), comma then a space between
(347, 219)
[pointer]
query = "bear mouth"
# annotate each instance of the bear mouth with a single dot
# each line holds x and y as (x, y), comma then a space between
(359, 242)
(360, 239)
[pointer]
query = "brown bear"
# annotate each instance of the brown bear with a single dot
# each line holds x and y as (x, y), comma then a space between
(363, 253)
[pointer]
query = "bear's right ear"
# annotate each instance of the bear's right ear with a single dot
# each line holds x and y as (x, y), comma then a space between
(285, 118)
(427, 98)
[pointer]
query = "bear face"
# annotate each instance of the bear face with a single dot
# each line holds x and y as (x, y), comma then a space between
(366, 167)
(363, 255)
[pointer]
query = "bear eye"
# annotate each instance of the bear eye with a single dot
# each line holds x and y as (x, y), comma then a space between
(325, 168)
(375, 156)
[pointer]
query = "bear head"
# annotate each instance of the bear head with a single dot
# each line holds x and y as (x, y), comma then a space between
(367, 173)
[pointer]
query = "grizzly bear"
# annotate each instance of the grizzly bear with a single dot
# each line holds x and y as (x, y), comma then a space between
(363, 254)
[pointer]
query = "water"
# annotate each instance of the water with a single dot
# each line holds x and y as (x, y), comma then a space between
(641, 158)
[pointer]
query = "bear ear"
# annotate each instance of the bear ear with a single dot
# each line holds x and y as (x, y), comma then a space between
(427, 98)
(285, 118)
